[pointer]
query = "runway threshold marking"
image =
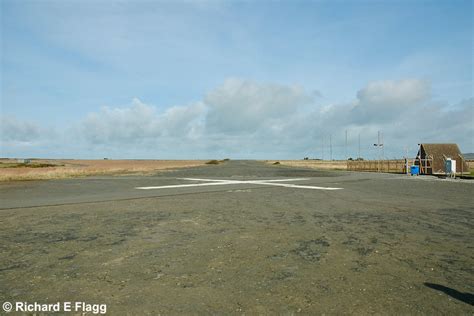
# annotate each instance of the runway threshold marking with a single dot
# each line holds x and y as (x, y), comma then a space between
(212, 182)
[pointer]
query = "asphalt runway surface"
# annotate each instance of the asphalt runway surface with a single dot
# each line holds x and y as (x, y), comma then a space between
(242, 237)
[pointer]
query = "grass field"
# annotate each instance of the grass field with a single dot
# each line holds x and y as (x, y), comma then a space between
(56, 169)
(38, 169)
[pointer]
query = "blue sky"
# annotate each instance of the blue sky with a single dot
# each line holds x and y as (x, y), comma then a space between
(169, 79)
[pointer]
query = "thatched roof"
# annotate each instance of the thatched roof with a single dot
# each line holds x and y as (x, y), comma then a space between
(438, 152)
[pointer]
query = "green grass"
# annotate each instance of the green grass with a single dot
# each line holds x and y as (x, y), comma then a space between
(469, 176)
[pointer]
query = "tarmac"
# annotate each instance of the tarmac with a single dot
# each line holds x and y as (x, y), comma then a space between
(241, 237)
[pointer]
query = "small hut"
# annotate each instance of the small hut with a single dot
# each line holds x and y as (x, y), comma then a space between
(432, 157)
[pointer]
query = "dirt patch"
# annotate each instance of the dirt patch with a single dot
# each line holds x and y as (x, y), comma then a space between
(312, 250)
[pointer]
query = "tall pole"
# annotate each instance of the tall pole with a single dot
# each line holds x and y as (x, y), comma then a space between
(378, 149)
(330, 145)
(383, 147)
(406, 159)
(359, 148)
(378, 141)
(322, 147)
(345, 148)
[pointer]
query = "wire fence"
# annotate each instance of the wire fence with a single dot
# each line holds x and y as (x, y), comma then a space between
(392, 166)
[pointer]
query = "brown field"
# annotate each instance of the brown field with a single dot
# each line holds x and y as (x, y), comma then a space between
(57, 169)
(315, 164)
(11, 170)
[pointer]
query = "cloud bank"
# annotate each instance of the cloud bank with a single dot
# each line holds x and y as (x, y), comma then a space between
(247, 119)
(13, 130)
(140, 123)
(242, 107)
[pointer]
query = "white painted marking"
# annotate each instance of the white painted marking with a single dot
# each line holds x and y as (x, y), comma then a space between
(300, 186)
(211, 182)
(208, 180)
(246, 181)
(186, 185)
(276, 180)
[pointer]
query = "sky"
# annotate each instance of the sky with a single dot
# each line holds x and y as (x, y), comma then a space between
(234, 79)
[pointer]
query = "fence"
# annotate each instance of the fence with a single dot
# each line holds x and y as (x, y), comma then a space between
(470, 164)
(393, 166)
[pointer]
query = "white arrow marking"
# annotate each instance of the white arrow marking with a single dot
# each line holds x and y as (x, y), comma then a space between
(227, 182)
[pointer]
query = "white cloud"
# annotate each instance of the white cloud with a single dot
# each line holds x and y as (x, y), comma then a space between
(241, 106)
(14, 130)
(246, 119)
(120, 124)
(384, 101)
(19, 138)
(140, 123)
(402, 92)
(182, 121)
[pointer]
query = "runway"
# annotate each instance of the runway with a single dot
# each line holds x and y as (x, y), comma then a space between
(242, 237)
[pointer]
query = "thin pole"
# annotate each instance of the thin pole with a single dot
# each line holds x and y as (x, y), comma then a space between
(406, 160)
(383, 147)
(322, 147)
(330, 145)
(359, 147)
(378, 149)
(345, 148)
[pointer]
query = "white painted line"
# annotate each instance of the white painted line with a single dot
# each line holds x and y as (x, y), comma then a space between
(185, 185)
(275, 180)
(245, 181)
(208, 180)
(300, 186)
(211, 182)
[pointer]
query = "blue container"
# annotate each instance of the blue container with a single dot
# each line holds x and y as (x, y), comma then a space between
(415, 170)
